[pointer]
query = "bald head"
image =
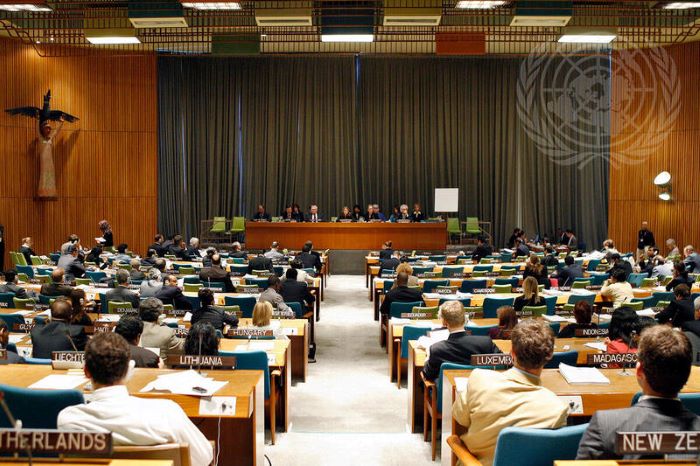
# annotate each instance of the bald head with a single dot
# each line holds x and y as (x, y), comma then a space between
(61, 309)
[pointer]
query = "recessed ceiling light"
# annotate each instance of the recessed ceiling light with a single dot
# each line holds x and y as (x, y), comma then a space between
(212, 5)
(347, 37)
(479, 5)
(24, 7)
(681, 5)
(587, 38)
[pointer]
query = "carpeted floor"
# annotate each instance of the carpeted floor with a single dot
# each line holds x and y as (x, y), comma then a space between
(347, 412)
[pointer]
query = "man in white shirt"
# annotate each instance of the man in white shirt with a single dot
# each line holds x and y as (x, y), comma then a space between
(273, 253)
(132, 420)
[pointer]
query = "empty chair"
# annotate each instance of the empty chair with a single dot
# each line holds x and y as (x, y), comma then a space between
(483, 268)
(574, 298)
(12, 319)
(95, 276)
(492, 303)
(258, 282)
(6, 300)
(26, 269)
(398, 308)
(535, 311)
(245, 303)
(511, 281)
(410, 332)
(469, 285)
(551, 303)
(567, 357)
(430, 285)
(37, 409)
(437, 258)
(448, 272)
(499, 289)
(635, 279)
(23, 303)
(479, 330)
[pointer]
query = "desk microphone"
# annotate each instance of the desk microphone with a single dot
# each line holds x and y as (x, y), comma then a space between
(199, 355)
(629, 348)
(17, 425)
(70, 339)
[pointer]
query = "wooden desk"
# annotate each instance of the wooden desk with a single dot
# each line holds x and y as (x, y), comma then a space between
(86, 462)
(329, 235)
(595, 397)
(243, 432)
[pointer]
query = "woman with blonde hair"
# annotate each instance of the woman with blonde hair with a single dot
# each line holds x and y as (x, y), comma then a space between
(406, 267)
(531, 295)
(507, 319)
(262, 319)
(537, 270)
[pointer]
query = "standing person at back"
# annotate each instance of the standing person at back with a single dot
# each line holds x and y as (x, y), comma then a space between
(459, 347)
(130, 419)
(665, 358)
(514, 398)
(645, 239)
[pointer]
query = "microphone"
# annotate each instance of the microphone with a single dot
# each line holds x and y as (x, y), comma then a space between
(199, 355)
(6, 409)
(70, 339)
(629, 348)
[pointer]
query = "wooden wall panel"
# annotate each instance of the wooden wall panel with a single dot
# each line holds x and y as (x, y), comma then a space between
(633, 197)
(106, 164)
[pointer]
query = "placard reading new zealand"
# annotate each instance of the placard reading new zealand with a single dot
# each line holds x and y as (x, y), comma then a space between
(54, 441)
(646, 443)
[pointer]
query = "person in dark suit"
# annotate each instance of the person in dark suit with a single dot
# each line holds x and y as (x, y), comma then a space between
(680, 310)
(261, 215)
(569, 273)
(645, 239)
(387, 250)
(217, 274)
(287, 214)
(71, 264)
(521, 248)
(390, 263)
(26, 249)
(459, 347)
(618, 263)
(56, 287)
(371, 214)
(208, 313)
(535, 269)
(150, 259)
(401, 294)
(665, 357)
(680, 277)
(550, 259)
(12, 357)
(172, 294)
(236, 252)
(157, 245)
(417, 215)
(530, 296)
(294, 291)
(121, 292)
(357, 213)
(260, 262)
(297, 214)
(58, 334)
(309, 258)
(482, 249)
(178, 248)
(193, 249)
(345, 214)
(107, 234)
(583, 312)
(313, 215)
(136, 273)
(11, 285)
(131, 328)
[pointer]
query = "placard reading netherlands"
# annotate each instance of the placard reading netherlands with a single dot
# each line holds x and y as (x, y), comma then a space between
(645, 443)
(196, 360)
(250, 332)
(607, 358)
(54, 441)
(496, 359)
(591, 332)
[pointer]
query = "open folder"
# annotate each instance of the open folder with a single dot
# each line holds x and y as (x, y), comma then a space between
(582, 375)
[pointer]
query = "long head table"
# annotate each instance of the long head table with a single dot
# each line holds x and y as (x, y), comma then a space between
(360, 236)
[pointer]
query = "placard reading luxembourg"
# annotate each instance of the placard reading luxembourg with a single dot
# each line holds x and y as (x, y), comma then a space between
(645, 443)
(55, 441)
(496, 359)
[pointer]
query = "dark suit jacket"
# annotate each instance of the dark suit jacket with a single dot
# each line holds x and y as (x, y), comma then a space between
(417, 217)
(649, 415)
(310, 260)
(137, 275)
(458, 349)
(541, 277)
(264, 216)
(520, 302)
(624, 265)
(482, 251)
(260, 263)
(173, 295)
(218, 275)
(19, 292)
(158, 248)
(27, 252)
(677, 312)
(645, 238)
(143, 357)
(55, 289)
(389, 264)
(123, 294)
(294, 291)
(215, 316)
(178, 252)
(73, 267)
(570, 330)
(681, 280)
(239, 255)
(307, 218)
(567, 274)
(400, 294)
(53, 336)
(12, 358)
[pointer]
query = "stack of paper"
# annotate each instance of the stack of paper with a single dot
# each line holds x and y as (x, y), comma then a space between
(260, 345)
(187, 317)
(170, 320)
(556, 318)
(646, 313)
(185, 383)
(427, 341)
(599, 345)
(109, 318)
(59, 382)
(582, 375)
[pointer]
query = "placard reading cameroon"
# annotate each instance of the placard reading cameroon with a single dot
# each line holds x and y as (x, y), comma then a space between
(55, 441)
(250, 332)
(484, 291)
(496, 359)
(176, 360)
(647, 443)
(591, 332)
(607, 358)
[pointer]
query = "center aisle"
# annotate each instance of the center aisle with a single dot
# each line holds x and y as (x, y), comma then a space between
(347, 412)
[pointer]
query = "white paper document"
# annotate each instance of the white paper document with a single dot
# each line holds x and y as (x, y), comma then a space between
(599, 345)
(646, 313)
(582, 375)
(109, 318)
(23, 313)
(59, 382)
(261, 345)
(556, 318)
(289, 331)
(185, 383)
(15, 338)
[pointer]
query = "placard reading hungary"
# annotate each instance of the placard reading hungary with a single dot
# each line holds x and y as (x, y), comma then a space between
(55, 441)
(250, 332)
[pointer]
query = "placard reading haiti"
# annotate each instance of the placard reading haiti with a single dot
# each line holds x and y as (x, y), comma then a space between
(496, 359)
(54, 441)
(646, 443)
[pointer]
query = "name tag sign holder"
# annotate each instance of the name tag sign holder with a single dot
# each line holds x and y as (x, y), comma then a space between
(180, 361)
(591, 332)
(446, 291)
(484, 290)
(125, 310)
(657, 443)
(491, 360)
(250, 333)
(57, 442)
(25, 327)
(100, 327)
(67, 359)
(604, 359)
(417, 315)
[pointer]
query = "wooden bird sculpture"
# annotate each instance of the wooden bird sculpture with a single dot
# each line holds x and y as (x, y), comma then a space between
(47, 170)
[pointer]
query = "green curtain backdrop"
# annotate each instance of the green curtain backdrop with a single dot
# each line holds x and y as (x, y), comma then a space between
(235, 132)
